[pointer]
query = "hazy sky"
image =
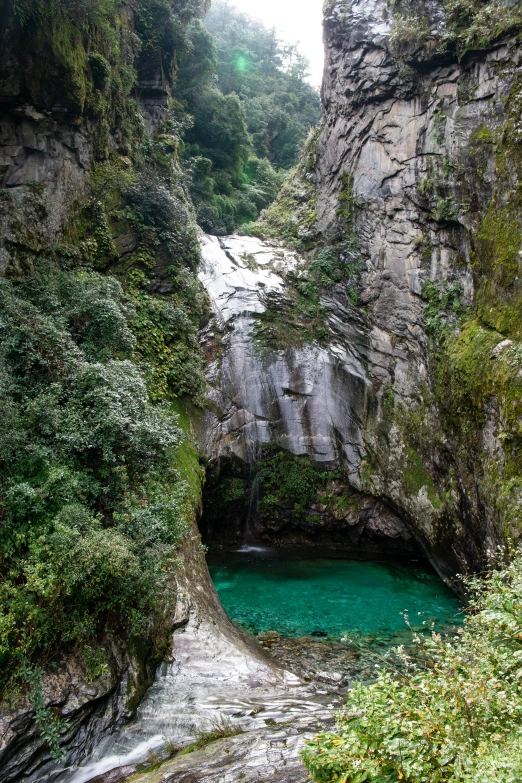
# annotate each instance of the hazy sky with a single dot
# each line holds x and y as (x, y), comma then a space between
(295, 20)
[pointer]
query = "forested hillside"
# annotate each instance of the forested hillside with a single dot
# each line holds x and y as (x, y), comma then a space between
(99, 311)
(250, 109)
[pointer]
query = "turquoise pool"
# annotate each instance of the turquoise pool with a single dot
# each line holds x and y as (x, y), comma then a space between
(298, 597)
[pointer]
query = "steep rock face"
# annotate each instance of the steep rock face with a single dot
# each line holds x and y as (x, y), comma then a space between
(308, 399)
(412, 135)
(311, 399)
(417, 152)
(90, 709)
(60, 120)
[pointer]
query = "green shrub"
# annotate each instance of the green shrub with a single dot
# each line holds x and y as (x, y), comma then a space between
(443, 306)
(454, 715)
(287, 480)
(90, 510)
(478, 23)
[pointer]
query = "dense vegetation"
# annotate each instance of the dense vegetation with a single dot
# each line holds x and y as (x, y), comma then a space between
(251, 110)
(98, 351)
(467, 25)
(92, 507)
(452, 714)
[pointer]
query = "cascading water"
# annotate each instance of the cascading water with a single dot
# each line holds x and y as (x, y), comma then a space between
(309, 399)
(249, 540)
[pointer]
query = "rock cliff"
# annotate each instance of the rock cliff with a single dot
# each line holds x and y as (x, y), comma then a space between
(84, 102)
(415, 387)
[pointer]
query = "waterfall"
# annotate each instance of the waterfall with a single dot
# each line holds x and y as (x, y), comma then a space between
(248, 532)
(308, 399)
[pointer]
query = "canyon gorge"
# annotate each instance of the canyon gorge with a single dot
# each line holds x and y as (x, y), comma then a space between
(342, 375)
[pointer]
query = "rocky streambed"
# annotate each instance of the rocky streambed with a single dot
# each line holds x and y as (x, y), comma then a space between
(231, 706)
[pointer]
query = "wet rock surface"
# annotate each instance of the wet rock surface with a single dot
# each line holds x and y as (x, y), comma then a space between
(310, 400)
(307, 400)
(271, 754)
(218, 674)
(90, 710)
(268, 743)
(398, 149)
(333, 665)
(393, 124)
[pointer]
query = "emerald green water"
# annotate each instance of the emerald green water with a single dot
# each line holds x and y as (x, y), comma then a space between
(299, 596)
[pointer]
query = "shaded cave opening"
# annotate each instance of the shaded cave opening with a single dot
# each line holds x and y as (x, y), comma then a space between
(287, 501)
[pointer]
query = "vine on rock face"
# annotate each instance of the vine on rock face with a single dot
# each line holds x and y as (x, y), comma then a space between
(49, 725)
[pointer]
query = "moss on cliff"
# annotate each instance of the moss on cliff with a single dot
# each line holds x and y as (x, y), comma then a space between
(291, 218)
(498, 256)
(455, 26)
(100, 468)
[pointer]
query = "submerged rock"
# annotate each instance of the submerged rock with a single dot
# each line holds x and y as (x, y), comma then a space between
(268, 638)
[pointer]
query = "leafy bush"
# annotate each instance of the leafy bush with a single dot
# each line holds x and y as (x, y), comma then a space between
(478, 23)
(455, 715)
(443, 307)
(287, 480)
(90, 510)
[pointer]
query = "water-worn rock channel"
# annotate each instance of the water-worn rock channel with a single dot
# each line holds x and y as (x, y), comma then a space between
(275, 696)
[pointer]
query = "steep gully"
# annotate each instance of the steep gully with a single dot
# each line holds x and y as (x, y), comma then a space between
(216, 669)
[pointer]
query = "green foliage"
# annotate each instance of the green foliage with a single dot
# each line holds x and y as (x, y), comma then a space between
(292, 217)
(442, 306)
(90, 510)
(94, 661)
(455, 714)
(168, 343)
(298, 316)
(155, 213)
(220, 728)
(445, 210)
(476, 24)
(161, 216)
(410, 31)
(269, 78)
(291, 320)
(288, 481)
(468, 25)
(251, 111)
(477, 383)
(346, 198)
(49, 725)
(338, 263)
(101, 71)
(83, 11)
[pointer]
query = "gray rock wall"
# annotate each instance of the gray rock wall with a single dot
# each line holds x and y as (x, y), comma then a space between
(394, 128)
(402, 168)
